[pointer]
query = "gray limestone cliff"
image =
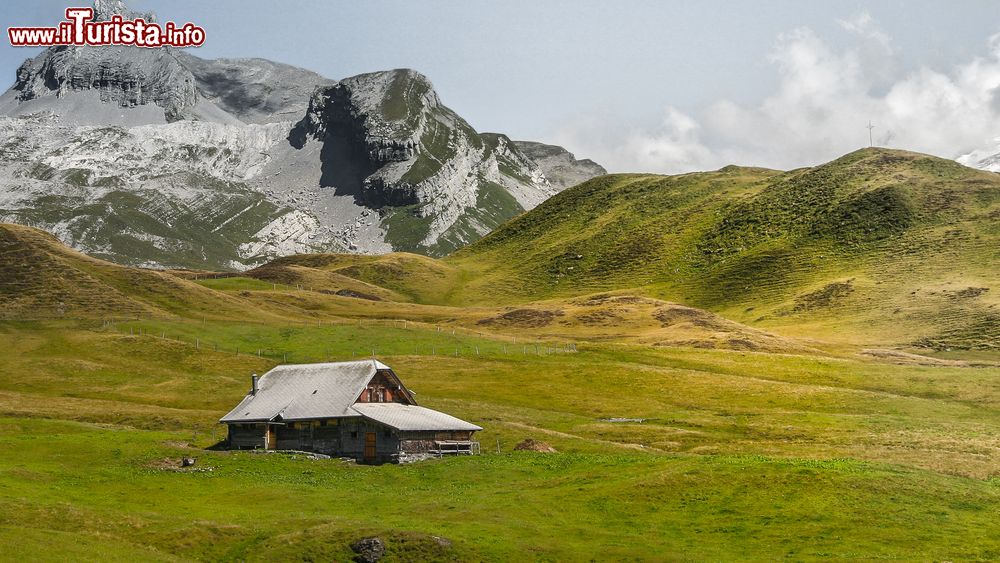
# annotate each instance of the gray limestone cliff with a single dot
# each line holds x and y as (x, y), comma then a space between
(559, 165)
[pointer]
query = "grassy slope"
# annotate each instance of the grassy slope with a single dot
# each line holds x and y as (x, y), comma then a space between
(41, 278)
(410, 277)
(878, 246)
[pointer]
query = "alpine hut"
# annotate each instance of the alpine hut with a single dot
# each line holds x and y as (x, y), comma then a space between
(357, 409)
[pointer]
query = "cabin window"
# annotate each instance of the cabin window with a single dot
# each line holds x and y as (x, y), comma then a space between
(354, 434)
(387, 434)
(322, 423)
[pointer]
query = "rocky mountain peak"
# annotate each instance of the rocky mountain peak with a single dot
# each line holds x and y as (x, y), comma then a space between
(128, 77)
(386, 111)
(372, 121)
(105, 9)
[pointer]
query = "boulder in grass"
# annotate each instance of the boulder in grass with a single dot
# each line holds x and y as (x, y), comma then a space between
(369, 550)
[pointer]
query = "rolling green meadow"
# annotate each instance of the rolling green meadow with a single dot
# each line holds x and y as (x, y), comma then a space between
(741, 455)
(738, 365)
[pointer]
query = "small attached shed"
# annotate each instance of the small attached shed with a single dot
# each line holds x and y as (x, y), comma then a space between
(348, 409)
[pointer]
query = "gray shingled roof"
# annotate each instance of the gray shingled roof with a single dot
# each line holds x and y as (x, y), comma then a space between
(411, 417)
(306, 391)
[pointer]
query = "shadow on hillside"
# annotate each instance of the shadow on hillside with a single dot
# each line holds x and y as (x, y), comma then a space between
(344, 162)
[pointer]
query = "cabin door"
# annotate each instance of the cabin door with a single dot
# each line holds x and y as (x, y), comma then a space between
(270, 438)
(369, 446)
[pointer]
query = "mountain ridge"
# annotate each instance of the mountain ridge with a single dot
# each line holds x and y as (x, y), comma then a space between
(245, 143)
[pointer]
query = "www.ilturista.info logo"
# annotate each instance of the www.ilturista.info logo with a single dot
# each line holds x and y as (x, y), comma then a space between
(78, 29)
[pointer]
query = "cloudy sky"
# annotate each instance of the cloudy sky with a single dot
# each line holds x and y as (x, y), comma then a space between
(645, 86)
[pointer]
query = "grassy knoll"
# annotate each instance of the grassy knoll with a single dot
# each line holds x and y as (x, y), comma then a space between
(879, 246)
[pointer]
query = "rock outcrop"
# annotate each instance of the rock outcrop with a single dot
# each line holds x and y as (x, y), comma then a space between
(125, 76)
(254, 90)
(390, 142)
(562, 169)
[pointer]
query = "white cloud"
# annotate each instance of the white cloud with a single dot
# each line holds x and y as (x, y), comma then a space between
(818, 112)
(864, 25)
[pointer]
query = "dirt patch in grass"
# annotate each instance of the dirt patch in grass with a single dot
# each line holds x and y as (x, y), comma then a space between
(742, 344)
(177, 464)
(601, 317)
(522, 318)
(827, 296)
(906, 358)
(968, 293)
(532, 445)
(669, 316)
(607, 298)
(593, 300)
(701, 344)
(354, 294)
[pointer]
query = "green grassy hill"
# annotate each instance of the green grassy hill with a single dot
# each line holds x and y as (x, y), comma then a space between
(878, 246)
(41, 278)
(405, 276)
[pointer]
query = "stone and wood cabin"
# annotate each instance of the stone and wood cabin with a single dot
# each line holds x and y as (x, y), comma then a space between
(355, 409)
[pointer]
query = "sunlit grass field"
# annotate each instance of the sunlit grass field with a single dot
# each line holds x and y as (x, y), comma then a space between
(740, 455)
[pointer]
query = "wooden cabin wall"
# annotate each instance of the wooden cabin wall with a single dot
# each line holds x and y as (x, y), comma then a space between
(352, 439)
(343, 437)
(390, 393)
(321, 436)
(246, 436)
